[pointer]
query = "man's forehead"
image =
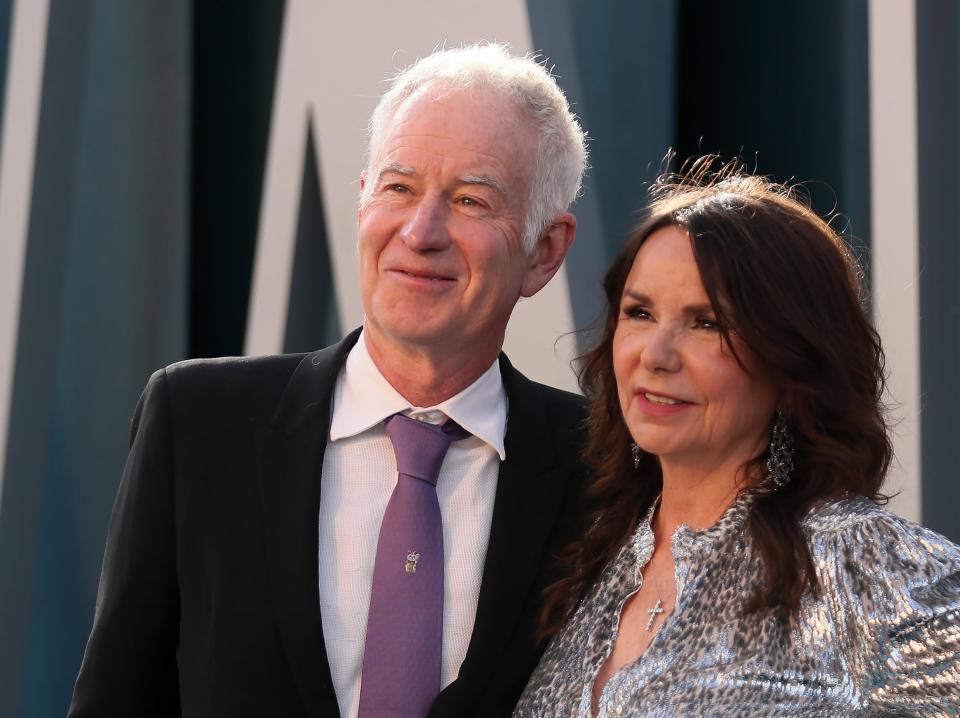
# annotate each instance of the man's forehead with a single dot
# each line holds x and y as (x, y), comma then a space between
(472, 136)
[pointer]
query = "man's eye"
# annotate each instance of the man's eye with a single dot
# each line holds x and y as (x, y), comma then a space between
(468, 202)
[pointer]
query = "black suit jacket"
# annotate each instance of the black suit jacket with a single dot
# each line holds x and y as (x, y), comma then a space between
(208, 602)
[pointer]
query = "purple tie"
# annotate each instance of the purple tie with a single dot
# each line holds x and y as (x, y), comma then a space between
(401, 657)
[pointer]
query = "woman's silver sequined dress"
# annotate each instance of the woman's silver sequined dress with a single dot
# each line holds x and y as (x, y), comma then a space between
(883, 638)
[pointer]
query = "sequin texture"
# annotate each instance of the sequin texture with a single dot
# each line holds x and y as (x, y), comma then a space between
(882, 639)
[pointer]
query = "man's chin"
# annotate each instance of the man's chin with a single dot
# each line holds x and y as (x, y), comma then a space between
(417, 333)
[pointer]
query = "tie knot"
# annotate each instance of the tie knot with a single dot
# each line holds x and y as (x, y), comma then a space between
(420, 447)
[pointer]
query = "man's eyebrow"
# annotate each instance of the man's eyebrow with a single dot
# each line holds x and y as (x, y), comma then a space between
(395, 168)
(407, 171)
(486, 181)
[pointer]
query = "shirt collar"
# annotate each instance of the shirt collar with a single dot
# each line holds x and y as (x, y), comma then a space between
(363, 398)
(688, 545)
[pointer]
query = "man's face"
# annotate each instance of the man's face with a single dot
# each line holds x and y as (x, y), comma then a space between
(440, 233)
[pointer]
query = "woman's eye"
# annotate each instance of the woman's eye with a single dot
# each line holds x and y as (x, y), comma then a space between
(706, 323)
(635, 312)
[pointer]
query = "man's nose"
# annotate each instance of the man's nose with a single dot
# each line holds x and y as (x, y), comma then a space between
(426, 228)
(659, 352)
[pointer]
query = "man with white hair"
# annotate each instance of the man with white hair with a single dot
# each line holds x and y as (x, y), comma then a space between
(365, 530)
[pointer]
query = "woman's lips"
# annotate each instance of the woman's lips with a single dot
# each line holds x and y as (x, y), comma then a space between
(654, 404)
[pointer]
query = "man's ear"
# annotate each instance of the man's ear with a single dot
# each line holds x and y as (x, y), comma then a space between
(548, 255)
(363, 184)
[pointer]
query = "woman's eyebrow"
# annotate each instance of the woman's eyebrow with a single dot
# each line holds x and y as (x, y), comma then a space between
(638, 296)
(641, 298)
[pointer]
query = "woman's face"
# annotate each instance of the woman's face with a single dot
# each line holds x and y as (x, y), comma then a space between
(683, 394)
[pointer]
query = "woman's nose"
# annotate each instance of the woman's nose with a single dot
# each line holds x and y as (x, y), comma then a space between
(659, 352)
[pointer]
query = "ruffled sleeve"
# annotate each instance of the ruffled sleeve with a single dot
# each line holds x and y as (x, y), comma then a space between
(892, 589)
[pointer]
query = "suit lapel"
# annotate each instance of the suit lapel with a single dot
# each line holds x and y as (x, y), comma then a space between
(290, 449)
(528, 499)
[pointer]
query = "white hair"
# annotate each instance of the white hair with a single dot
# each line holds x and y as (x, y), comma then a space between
(561, 155)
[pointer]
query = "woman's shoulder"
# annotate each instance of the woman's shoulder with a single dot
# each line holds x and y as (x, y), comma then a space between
(861, 516)
(857, 522)
(849, 513)
(892, 589)
(859, 546)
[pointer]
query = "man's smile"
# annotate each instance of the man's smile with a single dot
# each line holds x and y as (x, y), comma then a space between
(421, 277)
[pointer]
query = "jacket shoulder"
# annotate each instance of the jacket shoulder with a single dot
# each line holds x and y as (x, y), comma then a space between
(560, 400)
(553, 399)
(231, 370)
(225, 381)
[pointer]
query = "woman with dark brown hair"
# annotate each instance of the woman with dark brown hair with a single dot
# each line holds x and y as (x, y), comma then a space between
(738, 561)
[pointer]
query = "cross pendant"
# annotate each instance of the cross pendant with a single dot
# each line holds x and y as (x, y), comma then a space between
(654, 612)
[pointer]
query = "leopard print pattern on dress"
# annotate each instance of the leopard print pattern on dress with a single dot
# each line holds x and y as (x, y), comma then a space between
(882, 638)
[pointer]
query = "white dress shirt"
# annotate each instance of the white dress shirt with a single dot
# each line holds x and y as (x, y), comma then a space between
(359, 474)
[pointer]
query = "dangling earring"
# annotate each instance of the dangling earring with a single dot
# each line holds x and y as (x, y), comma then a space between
(780, 460)
(637, 453)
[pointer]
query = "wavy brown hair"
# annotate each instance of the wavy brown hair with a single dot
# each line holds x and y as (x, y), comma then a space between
(781, 278)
